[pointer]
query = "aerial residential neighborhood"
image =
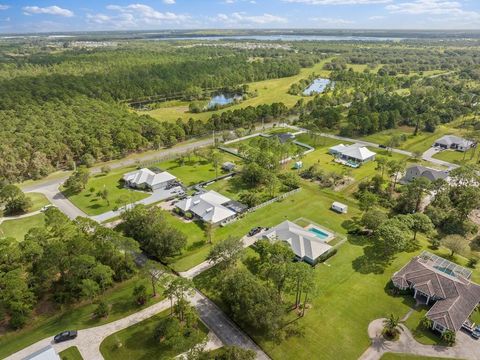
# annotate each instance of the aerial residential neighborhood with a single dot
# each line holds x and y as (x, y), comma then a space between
(239, 180)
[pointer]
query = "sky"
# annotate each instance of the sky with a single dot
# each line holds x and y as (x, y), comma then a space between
(20, 16)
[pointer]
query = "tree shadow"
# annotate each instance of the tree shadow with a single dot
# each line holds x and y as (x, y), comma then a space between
(373, 261)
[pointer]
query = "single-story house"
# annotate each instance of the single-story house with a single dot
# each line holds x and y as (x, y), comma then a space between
(304, 243)
(208, 206)
(356, 153)
(339, 207)
(417, 171)
(454, 142)
(46, 353)
(228, 166)
(147, 179)
(446, 285)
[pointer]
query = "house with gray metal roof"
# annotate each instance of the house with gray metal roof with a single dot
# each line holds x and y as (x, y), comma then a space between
(146, 179)
(418, 171)
(443, 284)
(454, 142)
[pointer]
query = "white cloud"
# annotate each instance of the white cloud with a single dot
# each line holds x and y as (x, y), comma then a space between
(241, 18)
(135, 16)
(169, 2)
(332, 21)
(451, 12)
(376, 17)
(4, 7)
(50, 10)
(339, 2)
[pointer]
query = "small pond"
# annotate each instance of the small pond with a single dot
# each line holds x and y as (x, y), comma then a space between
(223, 99)
(316, 87)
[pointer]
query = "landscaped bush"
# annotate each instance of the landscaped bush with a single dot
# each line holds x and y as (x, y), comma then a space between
(325, 256)
(102, 310)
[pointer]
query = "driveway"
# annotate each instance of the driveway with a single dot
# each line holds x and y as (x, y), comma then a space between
(428, 156)
(465, 347)
(157, 196)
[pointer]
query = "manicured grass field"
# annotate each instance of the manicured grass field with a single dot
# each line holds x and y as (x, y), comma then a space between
(92, 204)
(422, 335)
(71, 353)
(458, 157)
(192, 171)
(119, 298)
(269, 91)
(38, 201)
(138, 342)
(19, 227)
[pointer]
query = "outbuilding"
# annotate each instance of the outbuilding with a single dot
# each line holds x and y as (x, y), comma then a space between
(339, 207)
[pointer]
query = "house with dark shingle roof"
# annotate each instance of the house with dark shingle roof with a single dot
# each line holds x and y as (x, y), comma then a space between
(417, 171)
(445, 285)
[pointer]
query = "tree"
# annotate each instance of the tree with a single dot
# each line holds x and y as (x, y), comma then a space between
(367, 200)
(455, 243)
(391, 327)
(215, 158)
(177, 289)
(373, 218)
(104, 195)
(381, 164)
(140, 294)
(395, 168)
(102, 310)
(236, 353)
(411, 198)
(209, 230)
(89, 289)
(77, 181)
(421, 223)
(250, 198)
(391, 236)
(14, 200)
(225, 253)
(449, 337)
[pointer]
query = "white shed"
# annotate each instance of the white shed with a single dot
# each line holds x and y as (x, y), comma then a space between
(339, 207)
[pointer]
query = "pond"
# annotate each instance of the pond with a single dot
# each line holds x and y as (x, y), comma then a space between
(316, 87)
(222, 100)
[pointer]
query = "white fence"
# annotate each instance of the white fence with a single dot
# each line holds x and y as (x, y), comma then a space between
(271, 201)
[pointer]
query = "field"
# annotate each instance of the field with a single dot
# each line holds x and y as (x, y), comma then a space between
(38, 201)
(138, 342)
(89, 202)
(71, 353)
(79, 317)
(269, 91)
(19, 227)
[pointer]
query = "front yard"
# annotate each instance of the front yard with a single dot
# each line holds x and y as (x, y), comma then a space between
(458, 157)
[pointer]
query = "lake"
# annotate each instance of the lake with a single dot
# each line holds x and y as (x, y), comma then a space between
(222, 100)
(316, 87)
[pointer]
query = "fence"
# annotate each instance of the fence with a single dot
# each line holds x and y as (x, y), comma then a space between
(271, 201)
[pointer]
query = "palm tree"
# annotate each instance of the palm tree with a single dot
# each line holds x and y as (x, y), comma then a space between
(391, 327)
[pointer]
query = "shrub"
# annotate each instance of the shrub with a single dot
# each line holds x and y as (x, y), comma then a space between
(102, 310)
(140, 294)
(472, 263)
(105, 169)
(449, 337)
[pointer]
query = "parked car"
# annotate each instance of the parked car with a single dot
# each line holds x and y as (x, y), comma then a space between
(65, 336)
(382, 146)
(255, 231)
(46, 207)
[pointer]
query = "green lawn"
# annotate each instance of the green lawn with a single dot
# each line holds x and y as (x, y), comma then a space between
(91, 204)
(138, 342)
(38, 201)
(119, 298)
(192, 171)
(421, 334)
(71, 353)
(392, 356)
(19, 227)
(458, 157)
(269, 91)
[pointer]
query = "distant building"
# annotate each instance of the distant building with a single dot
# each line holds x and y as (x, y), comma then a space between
(210, 207)
(356, 153)
(228, 166)
(418, 171)
(146, 179)
(446, 285)
(307, 244)
(454, 142)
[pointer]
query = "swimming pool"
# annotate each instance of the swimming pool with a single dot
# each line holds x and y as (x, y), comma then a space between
(319, 233)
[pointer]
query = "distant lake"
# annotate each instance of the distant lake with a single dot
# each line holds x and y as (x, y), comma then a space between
(284, 38)
(222, 99)
(316, 87)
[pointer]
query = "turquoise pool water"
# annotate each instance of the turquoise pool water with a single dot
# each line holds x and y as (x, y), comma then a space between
(319, 233)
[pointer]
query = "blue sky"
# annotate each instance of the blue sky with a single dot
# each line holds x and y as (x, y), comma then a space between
(84, 15)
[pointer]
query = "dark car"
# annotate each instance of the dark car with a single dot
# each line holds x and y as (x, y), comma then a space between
(382, 146)
(254, 231)
(65, 335)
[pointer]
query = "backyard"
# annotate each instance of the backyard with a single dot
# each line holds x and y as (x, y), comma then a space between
(138, 342)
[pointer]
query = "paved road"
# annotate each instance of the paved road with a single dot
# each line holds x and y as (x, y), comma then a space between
(465, 347)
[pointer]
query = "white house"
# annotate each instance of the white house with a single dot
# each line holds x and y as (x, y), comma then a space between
(208, 206)
(304, 243)
(339, 207)
(146, 179)
(357, 153)
(454, 142)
